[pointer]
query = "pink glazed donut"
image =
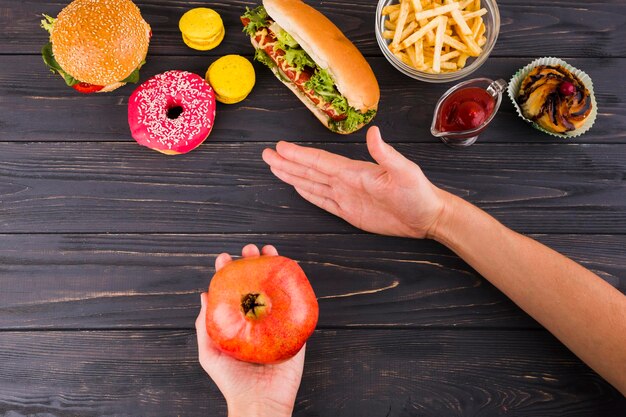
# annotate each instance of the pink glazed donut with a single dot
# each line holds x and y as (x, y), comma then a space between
(172, 113)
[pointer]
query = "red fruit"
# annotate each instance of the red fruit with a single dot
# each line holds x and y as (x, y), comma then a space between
(567, 89)
(261, 309)
(86, 88)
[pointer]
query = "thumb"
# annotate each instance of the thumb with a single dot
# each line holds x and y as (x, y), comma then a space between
(384, 154)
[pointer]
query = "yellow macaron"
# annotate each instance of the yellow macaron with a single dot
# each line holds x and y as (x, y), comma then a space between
(204, 45)
(202, 28)
(232, 78)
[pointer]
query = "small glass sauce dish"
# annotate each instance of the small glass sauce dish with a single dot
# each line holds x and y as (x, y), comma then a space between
(465, 110)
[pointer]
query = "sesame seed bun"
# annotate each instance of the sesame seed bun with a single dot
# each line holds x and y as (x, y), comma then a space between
(330, 49)
(100, 42)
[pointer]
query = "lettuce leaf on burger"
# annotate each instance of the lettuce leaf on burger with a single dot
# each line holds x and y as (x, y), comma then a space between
(97, 46)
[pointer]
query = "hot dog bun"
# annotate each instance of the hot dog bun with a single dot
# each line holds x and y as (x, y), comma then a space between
(330, 49)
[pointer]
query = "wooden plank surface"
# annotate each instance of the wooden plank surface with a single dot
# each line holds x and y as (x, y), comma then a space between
(153, 281)
(581, 29)
(37, 106)
(386, 373)
(227, 188)
(105, 245)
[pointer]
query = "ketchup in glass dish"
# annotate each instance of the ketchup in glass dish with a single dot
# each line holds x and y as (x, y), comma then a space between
(466, 109)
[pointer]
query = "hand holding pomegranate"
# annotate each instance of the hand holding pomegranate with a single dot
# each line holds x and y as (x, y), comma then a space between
(250, 389)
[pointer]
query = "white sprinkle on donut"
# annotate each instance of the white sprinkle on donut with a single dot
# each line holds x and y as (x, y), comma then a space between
(172, 112)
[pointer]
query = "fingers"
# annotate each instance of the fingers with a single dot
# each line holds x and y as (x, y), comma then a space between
(385, 155)
(250, 250)
(275, 161)
(247, 251)
(303, 183)
(306, 179)
(201, 319)
(269, 250)
(207, 350)
(201, 333)
(325, 203)
(222, 260)
(322, 161)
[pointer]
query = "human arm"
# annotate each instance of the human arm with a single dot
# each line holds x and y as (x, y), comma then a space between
(583, 311)
(250, 390)
(393, 197)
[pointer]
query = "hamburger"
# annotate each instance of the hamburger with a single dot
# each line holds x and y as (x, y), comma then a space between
(315, 60)
(97, 45)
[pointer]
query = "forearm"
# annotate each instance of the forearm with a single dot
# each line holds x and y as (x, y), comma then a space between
(580, 309)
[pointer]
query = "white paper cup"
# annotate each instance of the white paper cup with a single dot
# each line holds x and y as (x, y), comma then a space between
(516, 81)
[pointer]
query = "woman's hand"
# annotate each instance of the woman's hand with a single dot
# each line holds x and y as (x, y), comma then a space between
(250, 390)
(392, 197)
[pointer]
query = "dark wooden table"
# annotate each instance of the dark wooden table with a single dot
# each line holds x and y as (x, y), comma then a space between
(106, 245)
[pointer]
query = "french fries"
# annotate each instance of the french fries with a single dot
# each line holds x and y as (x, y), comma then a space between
(441, 28)
(435, 36)
(404, 13)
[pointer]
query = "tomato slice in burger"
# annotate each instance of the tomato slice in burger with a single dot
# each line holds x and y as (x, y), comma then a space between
(86, 88)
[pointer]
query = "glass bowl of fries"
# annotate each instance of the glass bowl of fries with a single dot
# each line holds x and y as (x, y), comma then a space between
(437, 41)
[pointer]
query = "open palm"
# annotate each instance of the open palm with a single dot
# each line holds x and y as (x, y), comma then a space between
(390, 197)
